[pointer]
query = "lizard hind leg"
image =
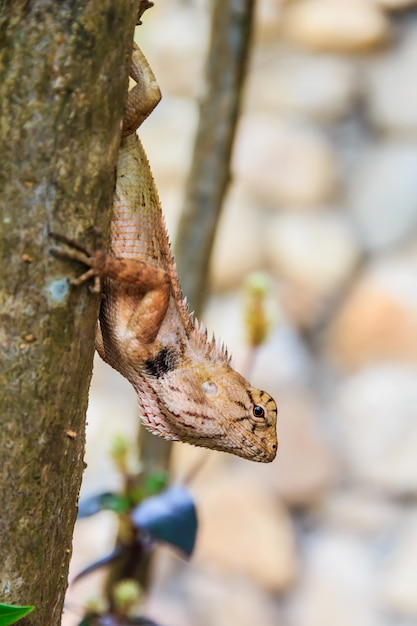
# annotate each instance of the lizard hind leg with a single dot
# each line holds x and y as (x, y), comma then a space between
(143, 97)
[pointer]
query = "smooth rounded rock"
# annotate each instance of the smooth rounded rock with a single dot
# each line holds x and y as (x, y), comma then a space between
(284, 163)
(337, 582)
(317, 251)
(378, 427)
(383, 195)
(378, 320)
(321, 86)
(262, 548)
(398, 574)
(336, 25)
(391, 89)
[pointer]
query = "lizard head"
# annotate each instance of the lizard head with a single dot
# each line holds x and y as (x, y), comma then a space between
(209, 404)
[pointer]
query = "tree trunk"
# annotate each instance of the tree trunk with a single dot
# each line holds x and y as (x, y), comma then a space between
(63, 80)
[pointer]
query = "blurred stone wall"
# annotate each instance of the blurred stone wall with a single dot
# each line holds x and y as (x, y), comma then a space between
(324, 199)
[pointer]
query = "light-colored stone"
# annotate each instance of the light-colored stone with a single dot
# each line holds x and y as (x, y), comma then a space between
(316, 252)
(236, 250)
(337, 584)
(186, 594)
(336, 25)
(379, 317)
(383, 195)
(359, 511)
(391, 88)
(378, 427)
(284, 163)
(321, 87)
(218, 600)
(313, 255)
(244, 531)
(398, 574)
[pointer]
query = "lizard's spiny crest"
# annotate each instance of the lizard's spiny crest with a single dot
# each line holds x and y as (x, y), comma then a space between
(210, 349)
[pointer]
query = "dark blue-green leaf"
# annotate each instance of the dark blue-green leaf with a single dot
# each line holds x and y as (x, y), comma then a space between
(12, 614)
(103, 501)
(169, 517)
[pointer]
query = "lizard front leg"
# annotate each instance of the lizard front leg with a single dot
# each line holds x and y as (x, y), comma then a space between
(152, 282)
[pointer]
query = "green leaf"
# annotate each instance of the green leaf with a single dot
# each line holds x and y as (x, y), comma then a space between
(11, 614)
(155, 483)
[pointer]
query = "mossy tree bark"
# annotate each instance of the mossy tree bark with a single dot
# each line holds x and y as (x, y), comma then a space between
(63, 80)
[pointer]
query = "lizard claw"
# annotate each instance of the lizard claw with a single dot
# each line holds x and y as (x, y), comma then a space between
(82, 254)
(72, 243)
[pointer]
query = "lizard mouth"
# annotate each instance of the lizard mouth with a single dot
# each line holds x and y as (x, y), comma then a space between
(264, 456)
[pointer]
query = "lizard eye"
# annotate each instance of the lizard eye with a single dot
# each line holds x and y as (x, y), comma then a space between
(258, 413)
(210, 388)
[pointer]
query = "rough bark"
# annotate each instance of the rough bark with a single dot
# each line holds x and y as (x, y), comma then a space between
(63, 79)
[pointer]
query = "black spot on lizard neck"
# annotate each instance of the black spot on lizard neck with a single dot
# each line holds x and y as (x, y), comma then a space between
(163, 362)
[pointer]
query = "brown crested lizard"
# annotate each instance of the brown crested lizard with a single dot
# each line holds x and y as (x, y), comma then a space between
(185, 384)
